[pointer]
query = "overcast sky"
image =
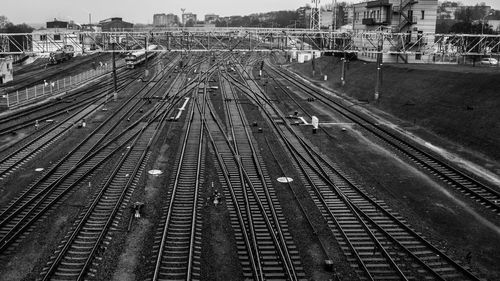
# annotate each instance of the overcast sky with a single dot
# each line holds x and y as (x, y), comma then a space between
(40, 11)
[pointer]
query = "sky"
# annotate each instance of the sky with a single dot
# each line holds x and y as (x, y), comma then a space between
(37, 11)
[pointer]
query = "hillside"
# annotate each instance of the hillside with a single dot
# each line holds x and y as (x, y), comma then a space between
(458, 103)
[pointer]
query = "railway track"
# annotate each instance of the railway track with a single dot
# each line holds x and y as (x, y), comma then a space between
(62, 178)
(76, 256)
(178, 239)
(20, 119)
(42, 141)
(267, 250)
(470, 187)
(377, 241)
(34, 74)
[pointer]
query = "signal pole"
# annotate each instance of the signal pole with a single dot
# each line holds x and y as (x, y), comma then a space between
(114, 73)
(342, 78)
(146, 71)
(379, 70)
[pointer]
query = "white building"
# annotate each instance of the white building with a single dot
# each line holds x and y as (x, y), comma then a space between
(57, 35)
(495, 25)
(411, 17)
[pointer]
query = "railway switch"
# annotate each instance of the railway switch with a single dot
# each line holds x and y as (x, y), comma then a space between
(329, 265)
(137, 207)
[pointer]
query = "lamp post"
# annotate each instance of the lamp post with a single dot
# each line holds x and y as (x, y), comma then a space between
(482, 21)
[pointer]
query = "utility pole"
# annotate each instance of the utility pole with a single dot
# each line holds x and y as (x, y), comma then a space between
(379, 69)
(115, 93)
(146, 71)
(344, 59)
(334, 9)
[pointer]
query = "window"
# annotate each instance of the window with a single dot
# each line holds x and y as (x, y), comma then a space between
(43, 37)
(423, 15)
(57, 37)
(418, 56)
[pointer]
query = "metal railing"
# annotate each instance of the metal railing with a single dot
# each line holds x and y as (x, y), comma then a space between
(51, 88)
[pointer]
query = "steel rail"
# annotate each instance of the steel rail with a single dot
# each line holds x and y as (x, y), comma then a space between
(83, 142)
(233, 146)
(180, 169)
(288, 262)
(429, 162)
(158, 119)
(53, 185)
(461, 269)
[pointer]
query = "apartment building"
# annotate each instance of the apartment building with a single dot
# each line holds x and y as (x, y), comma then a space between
(413, 18)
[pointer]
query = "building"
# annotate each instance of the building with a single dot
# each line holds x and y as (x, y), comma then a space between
(55, 36)
(345, 14)
(6, 70)
(164, 20)
(302, 18)
(410, 17)
(211, 18)
(447, 9)
(495, 25)
(326, 19)
(189, 17)
(159, 20)
(115, 24)
(172, 20)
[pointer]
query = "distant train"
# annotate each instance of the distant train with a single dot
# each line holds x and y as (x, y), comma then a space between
(64, 54)
(138, 57)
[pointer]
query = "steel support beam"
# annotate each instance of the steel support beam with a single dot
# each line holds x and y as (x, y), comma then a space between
(254, 39)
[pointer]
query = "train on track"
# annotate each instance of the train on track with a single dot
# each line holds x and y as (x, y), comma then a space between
(135, 58)
(61, 55)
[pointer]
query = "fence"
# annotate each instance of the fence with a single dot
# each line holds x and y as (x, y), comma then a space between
(51, 88)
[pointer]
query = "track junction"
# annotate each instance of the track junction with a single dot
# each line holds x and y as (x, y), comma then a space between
(225, 139)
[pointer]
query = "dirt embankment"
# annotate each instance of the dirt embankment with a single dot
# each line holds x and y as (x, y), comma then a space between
(459, 103)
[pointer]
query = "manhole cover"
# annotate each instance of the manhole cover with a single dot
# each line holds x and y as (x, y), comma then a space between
(38, 169)
(155, 172)
(285, 179)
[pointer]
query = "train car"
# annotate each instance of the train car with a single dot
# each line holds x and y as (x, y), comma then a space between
(135, 58)
(64, 54)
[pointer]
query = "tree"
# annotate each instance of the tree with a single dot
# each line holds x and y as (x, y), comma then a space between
(443, 26)
(3, 22)
(17, 41)
(190, 23)
(18, 28)
(470, 14)
(471, 28)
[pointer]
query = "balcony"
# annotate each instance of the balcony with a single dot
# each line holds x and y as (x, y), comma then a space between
(378, 3)
(372, 21)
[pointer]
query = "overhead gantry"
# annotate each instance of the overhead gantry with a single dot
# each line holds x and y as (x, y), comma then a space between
(251, 39)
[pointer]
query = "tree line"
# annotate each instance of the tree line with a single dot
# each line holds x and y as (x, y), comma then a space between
(469, 20)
